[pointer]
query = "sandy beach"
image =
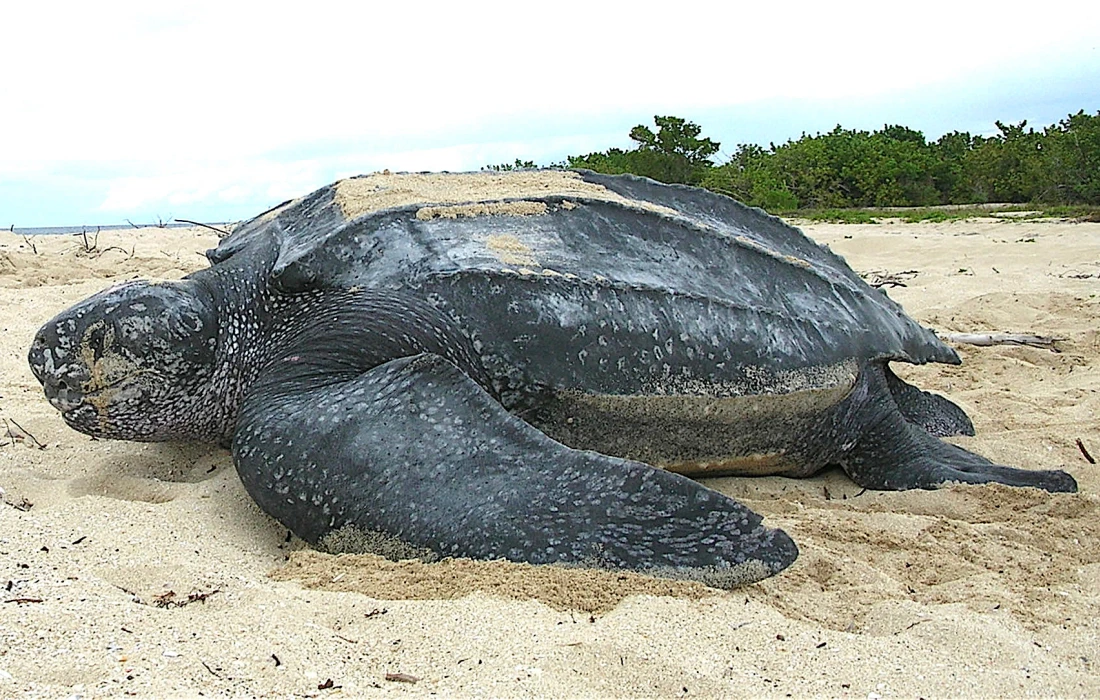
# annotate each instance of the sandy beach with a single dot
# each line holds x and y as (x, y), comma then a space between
(133, 569)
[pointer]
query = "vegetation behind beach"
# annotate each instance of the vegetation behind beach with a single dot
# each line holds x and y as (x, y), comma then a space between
(890, 167)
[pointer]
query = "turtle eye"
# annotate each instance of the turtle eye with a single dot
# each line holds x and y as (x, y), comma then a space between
(184, 324)
(191, 322)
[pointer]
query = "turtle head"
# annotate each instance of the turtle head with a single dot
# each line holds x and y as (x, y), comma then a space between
(132, 362)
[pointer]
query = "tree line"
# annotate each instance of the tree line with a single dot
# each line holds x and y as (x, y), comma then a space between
(892, 166)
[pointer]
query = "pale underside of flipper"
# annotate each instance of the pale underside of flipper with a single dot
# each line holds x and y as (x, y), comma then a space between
(418, 458)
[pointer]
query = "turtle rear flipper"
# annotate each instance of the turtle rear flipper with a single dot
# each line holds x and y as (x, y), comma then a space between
(894, 453)
(415, 455)
(937, 415)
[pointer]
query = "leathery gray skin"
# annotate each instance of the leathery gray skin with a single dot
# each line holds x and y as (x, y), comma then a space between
(387, 386)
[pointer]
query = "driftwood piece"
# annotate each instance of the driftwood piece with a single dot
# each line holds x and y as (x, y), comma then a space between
(220, 231)
(882, 278)
(990, 339)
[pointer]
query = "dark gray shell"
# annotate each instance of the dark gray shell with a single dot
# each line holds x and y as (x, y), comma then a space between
(651, 289)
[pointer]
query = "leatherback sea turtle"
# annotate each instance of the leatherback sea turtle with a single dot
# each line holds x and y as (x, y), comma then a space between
(485, 365)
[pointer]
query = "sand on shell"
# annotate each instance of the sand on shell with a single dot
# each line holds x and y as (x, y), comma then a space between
(146, 569)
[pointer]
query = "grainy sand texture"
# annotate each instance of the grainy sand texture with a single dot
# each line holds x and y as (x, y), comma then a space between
(131, 569)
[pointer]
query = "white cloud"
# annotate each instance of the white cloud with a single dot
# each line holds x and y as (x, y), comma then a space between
(209, 183)
(167, 87)
(258, 183)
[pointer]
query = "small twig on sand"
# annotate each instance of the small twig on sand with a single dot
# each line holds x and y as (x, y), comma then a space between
(129, 253)
(1084, 452)
(132, 224)
(222, 232)
(23, 505)
(169, 599)
(90, 247)
(990, 339)
(31, 244)
(21, 434)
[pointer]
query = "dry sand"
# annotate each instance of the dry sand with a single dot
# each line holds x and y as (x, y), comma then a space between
(146, 569)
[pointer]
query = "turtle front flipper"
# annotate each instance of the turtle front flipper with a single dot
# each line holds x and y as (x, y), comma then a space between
(894, 453)
(414, 457)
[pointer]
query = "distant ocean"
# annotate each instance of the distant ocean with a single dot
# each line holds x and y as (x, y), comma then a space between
(61, 230)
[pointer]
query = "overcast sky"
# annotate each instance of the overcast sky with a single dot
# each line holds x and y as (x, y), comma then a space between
(215, 111)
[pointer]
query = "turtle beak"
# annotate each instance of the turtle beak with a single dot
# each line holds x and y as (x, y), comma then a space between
(61, 395)
(60, 375)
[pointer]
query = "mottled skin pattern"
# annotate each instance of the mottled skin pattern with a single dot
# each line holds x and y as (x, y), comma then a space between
(380, 378)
